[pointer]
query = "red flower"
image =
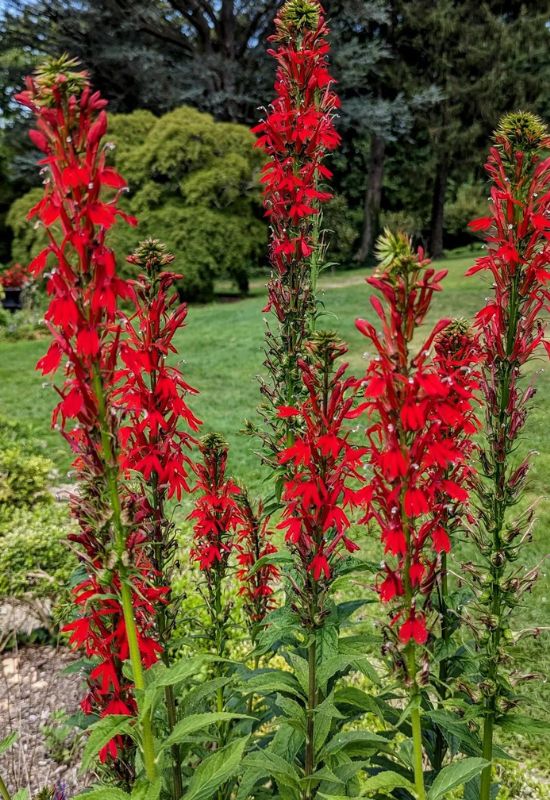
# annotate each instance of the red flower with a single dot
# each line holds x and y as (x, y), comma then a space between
(317, 486)
(414, 628)
(420, 462)
(216, 513)
(253, 543)
(84, 290)
(15, 277)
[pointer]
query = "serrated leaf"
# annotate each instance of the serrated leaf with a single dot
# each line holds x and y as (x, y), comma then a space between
(274, 681)
(103, 793)
(8, 742)
(338, 663)
(301, 671)
(22, 794)
(147, 790)
(276, 767)
(523, 724)
(452, 727)
(362, 740)
(101, 733)
(197, 722)
(387, 781)
(216, 770)
(455, 775)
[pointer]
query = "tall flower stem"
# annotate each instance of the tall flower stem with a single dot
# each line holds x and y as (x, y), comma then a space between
(309, 764)
(148, 744)
(512, 326)
(498, 564)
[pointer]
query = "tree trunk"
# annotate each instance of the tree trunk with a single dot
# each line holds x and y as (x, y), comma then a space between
(373, 197)
(438, 209)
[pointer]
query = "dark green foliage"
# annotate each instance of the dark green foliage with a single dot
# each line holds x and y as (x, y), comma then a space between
(193, 181)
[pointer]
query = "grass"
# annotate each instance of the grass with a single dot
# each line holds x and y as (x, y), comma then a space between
(221, 350)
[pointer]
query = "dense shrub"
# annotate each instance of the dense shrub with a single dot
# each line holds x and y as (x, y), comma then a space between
(34, 557)
(469, 203)
(193, 181)
(25, 473)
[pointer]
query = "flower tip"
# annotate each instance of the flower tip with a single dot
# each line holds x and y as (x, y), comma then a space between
(299, 15)
(522, 130)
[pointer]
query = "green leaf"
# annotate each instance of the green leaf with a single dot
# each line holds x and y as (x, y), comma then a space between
(452, 727)
(6, 743)
(22, 794)
(295, 713)
(147, 790)
(197, 722)
(274, 681)
(216, 770)
(103, 793)
(276, 767)
(301, 671)
(456, 775)
(102, 732)
(358, 741)
(283, 557)
(387, 781)
(338, 663)
(523, 724)
(181, 671)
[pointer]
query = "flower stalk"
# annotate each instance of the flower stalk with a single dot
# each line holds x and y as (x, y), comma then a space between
(512, 327)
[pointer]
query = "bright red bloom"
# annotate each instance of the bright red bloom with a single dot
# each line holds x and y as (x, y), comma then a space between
(216, 514)
(253, 543)
(322, 465)
(80, 201)
(418, 459)
(296, 135)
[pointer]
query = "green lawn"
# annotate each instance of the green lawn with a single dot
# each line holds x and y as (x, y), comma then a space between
(221, 351)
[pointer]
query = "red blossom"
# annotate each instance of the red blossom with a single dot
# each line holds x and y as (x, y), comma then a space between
(76, 208)
(323, 465)
(252, 544)
(216, 515)
(421, 418)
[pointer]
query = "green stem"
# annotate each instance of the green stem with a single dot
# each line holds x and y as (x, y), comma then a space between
(309, 766)
(499, 511)
(440, 744)
(416, 724)
(487, 774)
(4, 790)
(111, 470)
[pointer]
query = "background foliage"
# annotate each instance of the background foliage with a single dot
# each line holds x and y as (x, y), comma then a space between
(422, 86)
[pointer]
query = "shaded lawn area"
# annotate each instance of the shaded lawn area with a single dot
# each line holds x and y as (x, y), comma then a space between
(221, 353)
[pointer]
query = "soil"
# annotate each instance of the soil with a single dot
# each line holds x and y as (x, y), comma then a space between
(33, 685)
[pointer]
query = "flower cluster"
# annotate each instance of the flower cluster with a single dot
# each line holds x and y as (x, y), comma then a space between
(322, 466)
(152, 395)
(79, 205)
(15, 277)
(216, 513)
(411, 450)
(457, 358)
(296, 135)
(512, 328)
(152, 392)
(101, 632)
(254, 543)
